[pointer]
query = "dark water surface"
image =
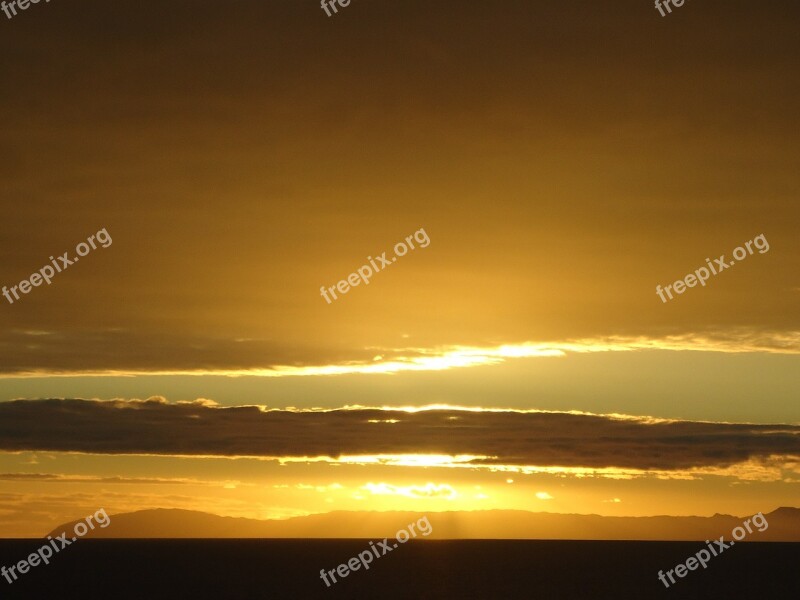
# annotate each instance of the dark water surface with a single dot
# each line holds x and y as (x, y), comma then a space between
(251, 569)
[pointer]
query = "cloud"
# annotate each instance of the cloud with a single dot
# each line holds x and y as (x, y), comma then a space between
(318, 488)
(543, 496)
(234, 358)
(58, 478)
(487, 438)
(429, 490)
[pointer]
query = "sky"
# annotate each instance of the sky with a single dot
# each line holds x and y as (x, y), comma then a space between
(553, 164)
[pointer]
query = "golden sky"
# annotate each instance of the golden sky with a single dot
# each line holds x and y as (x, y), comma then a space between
(562, 159)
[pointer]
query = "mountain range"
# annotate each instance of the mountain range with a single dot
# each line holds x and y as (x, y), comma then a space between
(783, 525)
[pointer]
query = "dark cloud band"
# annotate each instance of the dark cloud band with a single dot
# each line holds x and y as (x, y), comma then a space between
(507, 437)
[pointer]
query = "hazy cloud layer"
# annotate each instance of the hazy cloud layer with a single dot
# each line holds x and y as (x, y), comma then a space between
(507, 437)
(592, 158)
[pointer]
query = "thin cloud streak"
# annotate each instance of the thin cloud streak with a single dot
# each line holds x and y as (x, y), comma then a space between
(62, 478)
(397, 360)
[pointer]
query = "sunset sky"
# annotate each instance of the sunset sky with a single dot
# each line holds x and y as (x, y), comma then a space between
(564, 159)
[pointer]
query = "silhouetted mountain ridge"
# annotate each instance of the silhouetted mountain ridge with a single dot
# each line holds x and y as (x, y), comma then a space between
(783, 525)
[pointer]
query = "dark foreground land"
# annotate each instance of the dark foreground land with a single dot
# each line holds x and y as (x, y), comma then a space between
(253, 569)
